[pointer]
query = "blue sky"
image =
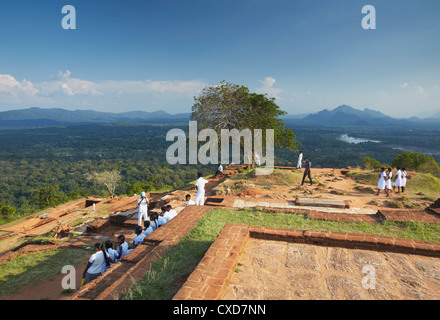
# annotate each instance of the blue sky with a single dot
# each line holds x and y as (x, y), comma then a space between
(156, 55)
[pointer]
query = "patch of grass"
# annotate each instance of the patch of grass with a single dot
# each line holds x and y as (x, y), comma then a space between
(67, 291)
(160, 283)
(363, 189)
(34, 268)
(395, 204)
(424, 183)
(364, 176)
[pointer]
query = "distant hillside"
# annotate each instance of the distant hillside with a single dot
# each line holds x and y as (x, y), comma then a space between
(56, 116)
(339, 117)
(348, 116)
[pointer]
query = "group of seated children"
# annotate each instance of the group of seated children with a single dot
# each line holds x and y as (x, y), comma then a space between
(104, 256)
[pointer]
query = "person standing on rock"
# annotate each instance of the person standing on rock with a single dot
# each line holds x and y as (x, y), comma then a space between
(142, 204)
(300, 158)
(381, 184)
(307, 172)
(201, 187)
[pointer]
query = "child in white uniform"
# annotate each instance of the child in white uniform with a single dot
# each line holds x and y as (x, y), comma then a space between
(189, 202)
(94, 266)
(388, 177)
(404, 175)
(397, 183)
(123, 248)
(140, 236)
(148, 228)
(112, 254)
(381, 184)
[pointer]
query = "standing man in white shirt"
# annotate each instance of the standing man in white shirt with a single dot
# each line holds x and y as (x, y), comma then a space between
(300, 158)
(142, 204)
(201, 187)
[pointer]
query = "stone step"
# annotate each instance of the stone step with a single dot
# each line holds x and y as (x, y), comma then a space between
(329, 203)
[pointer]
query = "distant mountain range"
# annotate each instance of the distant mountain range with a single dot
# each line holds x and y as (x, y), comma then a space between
(348, 116)
(37, 117)
(341, 116)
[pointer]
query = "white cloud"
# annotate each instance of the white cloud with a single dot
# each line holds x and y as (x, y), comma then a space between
(63, 89)
(268, 88)
(420, 90)
(403, 86)
(63, 83)
(11, 86)
(186, 88)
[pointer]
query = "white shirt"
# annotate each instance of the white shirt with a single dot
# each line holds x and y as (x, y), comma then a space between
(143, 206)
(154, 225)
(139, 239)
(97, 260)
(173, 213)
(112, 253)
(148, 231)
(161, 220)
(201, 185)
(124, 248)
(168, 216)
(220, 168)
(190, 203)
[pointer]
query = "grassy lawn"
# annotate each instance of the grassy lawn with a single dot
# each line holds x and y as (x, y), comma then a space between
(168, 273)
(34, 268)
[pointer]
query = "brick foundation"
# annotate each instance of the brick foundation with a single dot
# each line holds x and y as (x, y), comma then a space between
(218, 264)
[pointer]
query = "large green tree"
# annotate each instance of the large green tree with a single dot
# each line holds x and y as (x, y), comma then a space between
(231, 106)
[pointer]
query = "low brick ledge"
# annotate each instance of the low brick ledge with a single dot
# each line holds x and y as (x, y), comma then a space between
(217, 266)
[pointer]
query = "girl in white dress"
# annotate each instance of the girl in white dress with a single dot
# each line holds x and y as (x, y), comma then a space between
(382, 183)
(388, 177)
(398, 181)
(404, 174)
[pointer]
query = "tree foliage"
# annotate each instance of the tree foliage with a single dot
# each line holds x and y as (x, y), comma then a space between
(417, 162)
(230, 106)
(372, 164)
